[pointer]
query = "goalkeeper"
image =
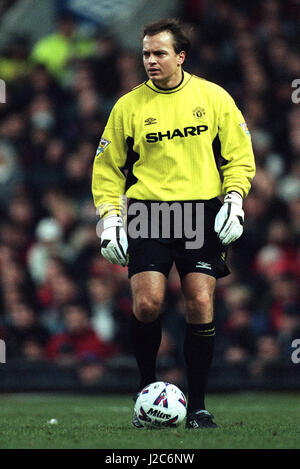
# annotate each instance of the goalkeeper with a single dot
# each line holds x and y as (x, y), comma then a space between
(158, 146)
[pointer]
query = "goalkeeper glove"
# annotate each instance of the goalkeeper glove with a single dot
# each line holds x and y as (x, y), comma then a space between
(230, 218)
(114, 242)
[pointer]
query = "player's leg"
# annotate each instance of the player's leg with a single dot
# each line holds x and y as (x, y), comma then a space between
(150, 261)
(198, 269)
(198, 290)
(148, 291)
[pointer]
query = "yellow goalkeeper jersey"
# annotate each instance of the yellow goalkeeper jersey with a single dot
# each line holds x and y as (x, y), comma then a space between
(158, 145)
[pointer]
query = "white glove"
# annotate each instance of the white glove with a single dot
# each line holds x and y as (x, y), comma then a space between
(230, 218)
(114, 242)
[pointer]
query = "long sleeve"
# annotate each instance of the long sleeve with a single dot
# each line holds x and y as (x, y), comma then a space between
(108, 180)
(236, 148)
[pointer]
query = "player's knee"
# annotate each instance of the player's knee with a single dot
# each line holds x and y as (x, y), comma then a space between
(201, 301)
(146, 309)
(200, 307)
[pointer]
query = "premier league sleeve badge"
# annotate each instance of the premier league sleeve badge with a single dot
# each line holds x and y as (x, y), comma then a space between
(102, 145)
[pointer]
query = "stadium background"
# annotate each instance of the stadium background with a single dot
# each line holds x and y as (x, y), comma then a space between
(64, 309)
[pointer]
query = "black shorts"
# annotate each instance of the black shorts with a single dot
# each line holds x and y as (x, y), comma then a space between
(155, 247)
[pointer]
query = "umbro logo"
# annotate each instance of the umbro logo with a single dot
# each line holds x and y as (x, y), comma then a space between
(203, 265)
(150, 121)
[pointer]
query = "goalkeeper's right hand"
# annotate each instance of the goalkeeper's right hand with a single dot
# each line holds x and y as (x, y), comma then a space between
(114, 242)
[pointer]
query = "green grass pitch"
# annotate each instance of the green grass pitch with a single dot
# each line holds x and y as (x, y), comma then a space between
(246, 420)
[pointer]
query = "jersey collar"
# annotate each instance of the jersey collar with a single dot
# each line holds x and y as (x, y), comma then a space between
(185, 79)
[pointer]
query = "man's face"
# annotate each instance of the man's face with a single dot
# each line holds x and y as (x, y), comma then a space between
(161, 62)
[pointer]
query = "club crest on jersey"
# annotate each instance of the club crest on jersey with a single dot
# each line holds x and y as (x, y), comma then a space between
(102, 145)
(245, 128)
(199, 112)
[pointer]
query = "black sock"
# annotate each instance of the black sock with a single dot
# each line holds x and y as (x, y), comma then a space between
(198, 354)
(146, 338)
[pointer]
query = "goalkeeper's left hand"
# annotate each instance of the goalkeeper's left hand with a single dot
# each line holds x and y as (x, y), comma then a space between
(230, 218)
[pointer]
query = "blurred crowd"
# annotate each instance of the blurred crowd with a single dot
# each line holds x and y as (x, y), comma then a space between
(60, 300)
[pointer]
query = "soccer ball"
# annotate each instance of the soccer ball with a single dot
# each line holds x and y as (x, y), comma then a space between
(160, 405)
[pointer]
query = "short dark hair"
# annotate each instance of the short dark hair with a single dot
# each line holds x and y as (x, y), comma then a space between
(177, 29)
